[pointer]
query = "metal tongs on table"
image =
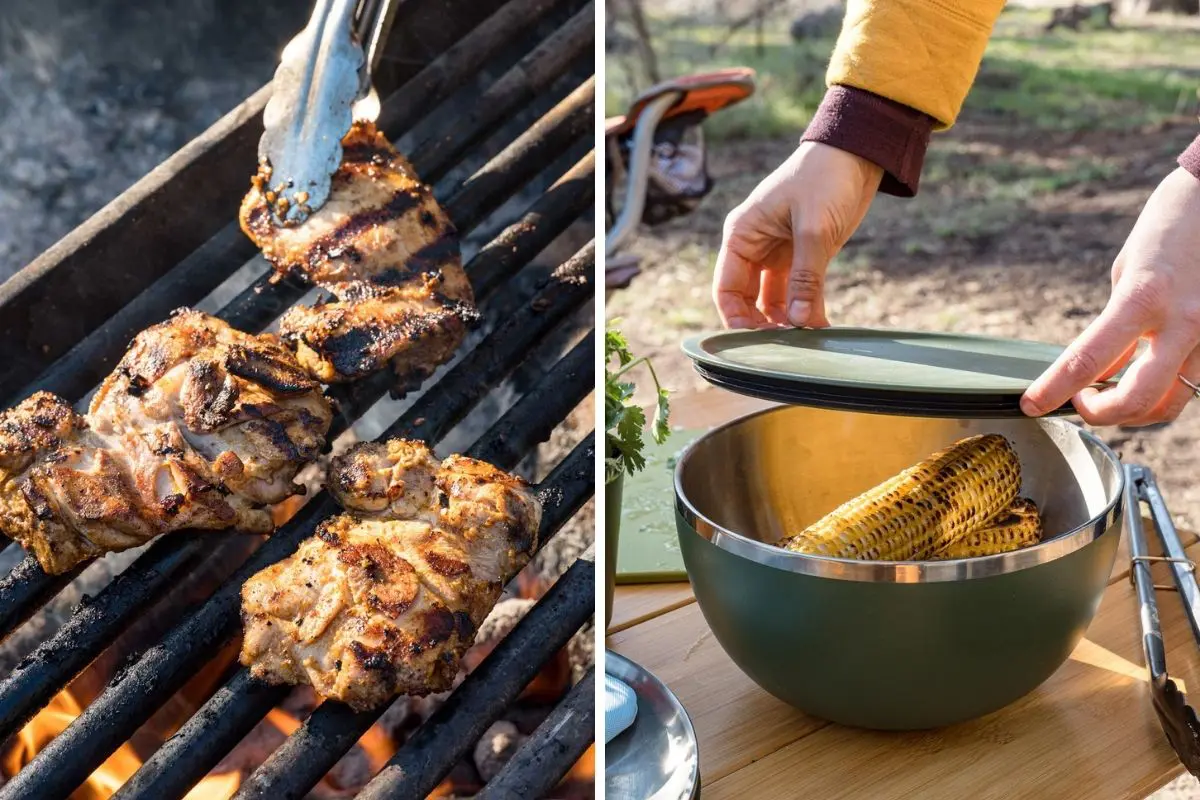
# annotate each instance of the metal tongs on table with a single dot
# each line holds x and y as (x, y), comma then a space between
(322, 73)
(1177, 718)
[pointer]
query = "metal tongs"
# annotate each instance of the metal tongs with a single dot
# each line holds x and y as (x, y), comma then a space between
(322, 73)
(1177, 718)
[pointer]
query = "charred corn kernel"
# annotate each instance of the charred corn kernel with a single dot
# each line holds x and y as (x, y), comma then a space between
(926, 507)
(1020, 525)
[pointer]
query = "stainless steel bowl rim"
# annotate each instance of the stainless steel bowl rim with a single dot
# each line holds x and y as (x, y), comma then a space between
(902, 571)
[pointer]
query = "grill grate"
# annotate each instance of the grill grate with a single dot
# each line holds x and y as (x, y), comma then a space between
(554, 747)
(183, 270)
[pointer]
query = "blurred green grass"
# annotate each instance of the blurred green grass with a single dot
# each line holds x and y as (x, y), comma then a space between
(1061, 81)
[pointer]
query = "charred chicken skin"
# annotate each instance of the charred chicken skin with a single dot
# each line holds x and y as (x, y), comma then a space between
(386, 251)
(385, 599)
(199, 426)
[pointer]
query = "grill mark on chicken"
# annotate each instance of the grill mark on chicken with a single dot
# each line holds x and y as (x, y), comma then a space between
(173, 439)
(385, 599)
(258, 222)
(279, 375)
(371, 659)
(37, 501)
(358, 351)
(444, 565)
(389, 256)
(209, 396)
(47, 422)
(338, 239)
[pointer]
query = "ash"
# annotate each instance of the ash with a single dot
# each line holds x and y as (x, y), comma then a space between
(96, 93)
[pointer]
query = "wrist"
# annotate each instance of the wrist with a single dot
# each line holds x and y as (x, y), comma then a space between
(1190, 158)
(848, 166)
(892, 136)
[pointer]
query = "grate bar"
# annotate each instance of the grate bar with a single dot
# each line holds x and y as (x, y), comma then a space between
(550, 136)
(241, 703)
(445, 737)
(562, 203)
(92, 627)
(522, 84)
(25, 589)
(133, 695)
(74, 374)
(568, 287)
(450, 71)
(223, 721)
(537, 413)
(548, 755)
(333, 728)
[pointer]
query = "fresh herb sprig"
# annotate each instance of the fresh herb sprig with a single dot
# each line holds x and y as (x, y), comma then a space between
(624, 420)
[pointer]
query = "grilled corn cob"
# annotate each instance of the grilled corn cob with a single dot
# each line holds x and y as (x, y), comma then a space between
(927, 507)
(1018, 526)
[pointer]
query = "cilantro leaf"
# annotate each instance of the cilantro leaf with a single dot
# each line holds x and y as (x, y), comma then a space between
(624, 420)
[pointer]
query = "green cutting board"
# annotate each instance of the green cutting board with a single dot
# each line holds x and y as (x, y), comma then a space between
(648, 550)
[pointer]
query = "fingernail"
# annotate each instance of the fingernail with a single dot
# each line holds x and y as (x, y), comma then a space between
(798, 312)
(1029, 408)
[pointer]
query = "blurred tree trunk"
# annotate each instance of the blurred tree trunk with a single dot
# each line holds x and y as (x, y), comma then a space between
(637, 16)
(757, 17)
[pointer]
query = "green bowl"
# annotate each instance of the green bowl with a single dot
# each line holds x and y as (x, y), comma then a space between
(890, 645)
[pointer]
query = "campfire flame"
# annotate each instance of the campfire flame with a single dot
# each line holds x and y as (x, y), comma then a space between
(109, 776)
(378, 747)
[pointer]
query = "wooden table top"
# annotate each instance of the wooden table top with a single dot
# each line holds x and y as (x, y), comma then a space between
(1087, 732)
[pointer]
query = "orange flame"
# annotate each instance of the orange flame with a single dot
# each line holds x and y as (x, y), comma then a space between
(285, 722)
(446, 788)
(283, 511)
(377, 746)
(109, 776)
(584, 770)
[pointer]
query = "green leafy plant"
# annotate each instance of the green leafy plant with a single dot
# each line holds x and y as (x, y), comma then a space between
(624, 420)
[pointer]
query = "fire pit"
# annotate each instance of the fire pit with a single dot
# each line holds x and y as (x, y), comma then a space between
(493, 102)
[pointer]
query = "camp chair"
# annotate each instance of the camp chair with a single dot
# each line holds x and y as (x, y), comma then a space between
(658, 150)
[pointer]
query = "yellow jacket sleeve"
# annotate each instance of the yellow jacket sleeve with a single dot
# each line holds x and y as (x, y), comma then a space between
(921, 53)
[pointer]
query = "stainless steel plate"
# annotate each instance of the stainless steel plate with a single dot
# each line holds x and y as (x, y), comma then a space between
(655, 758)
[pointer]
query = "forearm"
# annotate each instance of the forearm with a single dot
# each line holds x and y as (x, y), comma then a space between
(923, 54)
(900, 70)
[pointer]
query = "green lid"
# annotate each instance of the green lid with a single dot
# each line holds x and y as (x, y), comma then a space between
(882, 371)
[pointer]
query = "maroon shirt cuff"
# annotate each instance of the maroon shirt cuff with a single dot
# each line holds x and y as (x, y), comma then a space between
(1190, 159)
(884, 132)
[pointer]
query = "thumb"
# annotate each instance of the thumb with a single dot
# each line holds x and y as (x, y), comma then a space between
(806, 283)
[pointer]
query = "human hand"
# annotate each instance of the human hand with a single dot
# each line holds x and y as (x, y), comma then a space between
(778, 243)
(1156, 297)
